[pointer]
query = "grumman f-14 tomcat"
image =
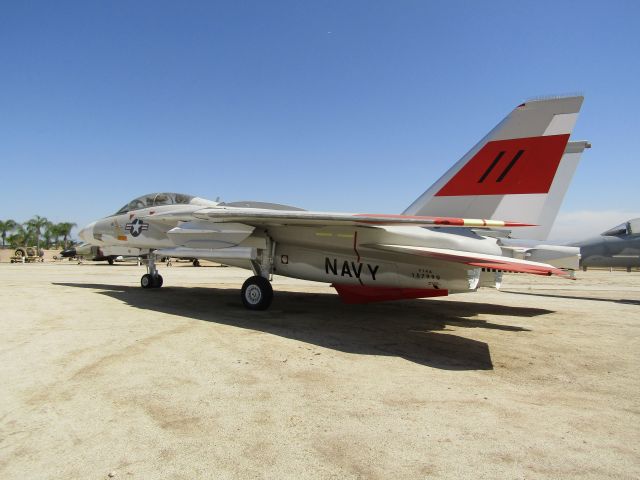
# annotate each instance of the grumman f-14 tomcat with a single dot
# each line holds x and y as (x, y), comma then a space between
(450, 240)
(618, 247)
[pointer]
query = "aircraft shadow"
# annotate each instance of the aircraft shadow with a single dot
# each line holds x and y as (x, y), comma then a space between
(574, 297)
(408, 329)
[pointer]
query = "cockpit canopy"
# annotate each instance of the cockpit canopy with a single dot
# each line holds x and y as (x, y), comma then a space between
(155, 200)
(632, 227)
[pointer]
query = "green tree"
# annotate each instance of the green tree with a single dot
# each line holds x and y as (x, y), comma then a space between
(20, 237)
(65, 231)
(48, 233)
(6, 226)
(35, 226)
(55, 232)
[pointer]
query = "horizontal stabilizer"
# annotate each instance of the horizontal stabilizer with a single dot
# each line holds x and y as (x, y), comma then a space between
(560, 256)
(475, 259)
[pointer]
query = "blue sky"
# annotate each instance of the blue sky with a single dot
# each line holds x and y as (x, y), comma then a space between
(328, 105)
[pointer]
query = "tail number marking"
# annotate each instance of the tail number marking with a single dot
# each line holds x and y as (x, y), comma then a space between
(495, 163)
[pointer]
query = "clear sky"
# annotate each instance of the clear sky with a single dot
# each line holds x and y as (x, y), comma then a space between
(327, 105)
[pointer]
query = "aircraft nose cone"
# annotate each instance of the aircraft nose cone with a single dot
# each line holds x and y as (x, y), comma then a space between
(86, 234)
(69, 252)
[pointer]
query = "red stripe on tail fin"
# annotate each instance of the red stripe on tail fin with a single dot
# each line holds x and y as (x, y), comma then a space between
(514, 166)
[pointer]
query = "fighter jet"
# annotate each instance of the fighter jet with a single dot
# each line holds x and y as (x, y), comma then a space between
(445, 242)
(99, 254)
(617, 247)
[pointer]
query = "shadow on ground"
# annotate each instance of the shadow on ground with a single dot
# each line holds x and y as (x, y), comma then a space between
(405, 329)
(625, 301)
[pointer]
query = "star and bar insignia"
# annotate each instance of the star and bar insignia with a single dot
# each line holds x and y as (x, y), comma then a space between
(136, 227)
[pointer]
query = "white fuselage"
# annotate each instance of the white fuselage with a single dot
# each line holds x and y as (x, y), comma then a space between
(334, 254)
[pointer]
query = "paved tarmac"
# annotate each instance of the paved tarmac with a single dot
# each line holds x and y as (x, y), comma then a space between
(100, 377)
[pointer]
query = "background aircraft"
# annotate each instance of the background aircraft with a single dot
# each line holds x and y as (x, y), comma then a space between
(110, 254)
(443, 243)
(618, 247)
(99, 254)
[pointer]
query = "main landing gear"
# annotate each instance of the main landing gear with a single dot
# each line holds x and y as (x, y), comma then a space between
(151, 279)
(256, 293)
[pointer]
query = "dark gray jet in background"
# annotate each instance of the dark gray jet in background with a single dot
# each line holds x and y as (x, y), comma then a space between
(617, 247)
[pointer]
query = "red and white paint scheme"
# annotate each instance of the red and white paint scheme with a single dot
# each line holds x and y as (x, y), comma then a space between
(520, 170)
(447, 241)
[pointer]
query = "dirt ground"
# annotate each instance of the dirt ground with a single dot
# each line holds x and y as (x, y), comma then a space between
(101, 377)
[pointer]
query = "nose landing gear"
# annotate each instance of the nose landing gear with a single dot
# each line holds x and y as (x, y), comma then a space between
(151, 279)
(256, 293)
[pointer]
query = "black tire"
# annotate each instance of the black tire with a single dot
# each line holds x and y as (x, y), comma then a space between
(110, 261)
(146, 281)
(196, 262)
(20, 253)
(157, 281)
(256, 293)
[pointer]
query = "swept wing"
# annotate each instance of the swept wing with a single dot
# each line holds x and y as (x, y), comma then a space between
(265, 217)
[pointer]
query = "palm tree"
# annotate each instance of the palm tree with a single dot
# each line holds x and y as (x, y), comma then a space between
(6, 226)
(65, 231)
(55, 232)
(20, 236)
(48, 233)
(35, 225)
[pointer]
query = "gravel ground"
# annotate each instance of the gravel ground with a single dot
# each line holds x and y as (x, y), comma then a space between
(100, 377)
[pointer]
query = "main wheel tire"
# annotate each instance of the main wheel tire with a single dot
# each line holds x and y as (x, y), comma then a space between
(110, 261)
(256, 293)
(146, 281)
(157, 281)
(196, 262)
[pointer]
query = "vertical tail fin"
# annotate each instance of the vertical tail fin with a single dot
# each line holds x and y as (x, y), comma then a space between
(520, 171)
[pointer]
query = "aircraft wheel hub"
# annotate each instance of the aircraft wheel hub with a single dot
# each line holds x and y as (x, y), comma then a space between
(253, 294)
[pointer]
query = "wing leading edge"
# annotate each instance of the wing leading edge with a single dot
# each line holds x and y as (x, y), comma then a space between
(258, 217)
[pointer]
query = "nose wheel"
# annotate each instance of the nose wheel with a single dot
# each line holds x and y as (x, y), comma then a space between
(151, 279)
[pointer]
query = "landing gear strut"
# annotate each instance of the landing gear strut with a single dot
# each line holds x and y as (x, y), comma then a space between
(256, 293)
(151, 279)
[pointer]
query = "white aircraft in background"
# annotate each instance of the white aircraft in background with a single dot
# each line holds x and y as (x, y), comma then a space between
(447, 241)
